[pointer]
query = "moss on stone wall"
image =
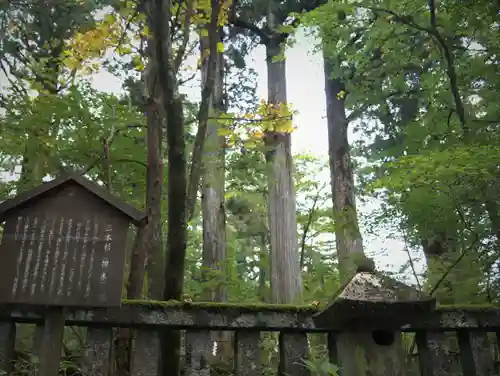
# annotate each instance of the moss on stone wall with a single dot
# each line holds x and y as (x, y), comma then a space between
(249, 307)
(256, 307)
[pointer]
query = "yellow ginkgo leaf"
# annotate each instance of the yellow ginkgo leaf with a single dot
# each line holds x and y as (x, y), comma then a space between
(220, 47)
(258, 134)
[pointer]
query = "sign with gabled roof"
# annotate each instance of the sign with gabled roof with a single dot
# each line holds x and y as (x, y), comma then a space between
(64, 244)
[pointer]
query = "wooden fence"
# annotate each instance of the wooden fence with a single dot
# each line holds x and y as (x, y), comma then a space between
(476, 330)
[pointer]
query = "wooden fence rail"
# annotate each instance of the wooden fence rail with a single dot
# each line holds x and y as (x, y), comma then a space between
(475, 329)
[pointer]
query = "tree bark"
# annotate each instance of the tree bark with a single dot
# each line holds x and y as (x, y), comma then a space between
(204, 110)
(286, 280)
(159, 21)
(147, 251)
(214, 219)
(347, 235)
(213, 211)
(153, 239)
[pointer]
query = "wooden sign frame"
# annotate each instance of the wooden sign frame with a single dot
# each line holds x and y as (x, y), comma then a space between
(64, 245)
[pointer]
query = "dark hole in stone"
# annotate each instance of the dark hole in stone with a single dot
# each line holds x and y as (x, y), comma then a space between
(383, 337)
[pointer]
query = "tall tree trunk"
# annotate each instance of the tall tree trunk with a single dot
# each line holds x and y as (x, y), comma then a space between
(286, 280)
(135, 282)
(176, 156)
(368, 354)
(213, 212)
(347, 235)
(159, 21)
(123, 340)
(153, 238)
(147, 251)
(214, 221)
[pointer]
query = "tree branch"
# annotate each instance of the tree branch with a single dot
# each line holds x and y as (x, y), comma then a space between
(128, 160)
(246, 25)
(410, 260)
(446, 54)
(308, 225)
(450, 66)
(185, 37)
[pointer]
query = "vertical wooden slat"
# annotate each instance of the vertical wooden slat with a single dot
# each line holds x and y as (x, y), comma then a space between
(7, 342)
(53, 333)
(293, 352)
(145, 353)
(475, 353)
(433, 354)
(199, 348)
(247, 354)
(482, 350)
(97, 351)
(112, 353)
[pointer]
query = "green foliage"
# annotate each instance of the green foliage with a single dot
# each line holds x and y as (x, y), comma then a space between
(247, 234)
(433, 177)
(318, 363)
(433, 171)
(321, 367)
(34, 36)
(65, 132)
(29, 365)
(64, 124)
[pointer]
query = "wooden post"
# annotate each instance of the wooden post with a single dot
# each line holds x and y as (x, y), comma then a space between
(433, 354)
(145, 353)
(53, 333)
(198, 353)
(247, 354)
(293, 353)
(38, 339)
(476, 353)
(7, 341)
(97, 351)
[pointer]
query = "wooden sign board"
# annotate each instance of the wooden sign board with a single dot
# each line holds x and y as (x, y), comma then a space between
(63, 247)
